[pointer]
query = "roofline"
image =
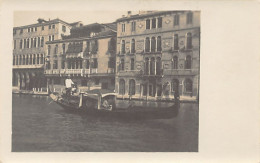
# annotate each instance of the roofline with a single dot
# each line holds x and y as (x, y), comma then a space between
(148, 15)
(46, 23)
(110, 27)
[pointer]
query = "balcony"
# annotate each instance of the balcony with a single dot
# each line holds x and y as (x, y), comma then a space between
(110, 70)
(94, 71)
(74, 71)
(48, 72)
(28, 66)
(180, 72)
(130, 72)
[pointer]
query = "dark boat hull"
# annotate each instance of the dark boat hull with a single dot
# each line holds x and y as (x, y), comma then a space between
(137, 112)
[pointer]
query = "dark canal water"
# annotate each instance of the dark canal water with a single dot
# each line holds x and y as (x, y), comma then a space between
(39, 125)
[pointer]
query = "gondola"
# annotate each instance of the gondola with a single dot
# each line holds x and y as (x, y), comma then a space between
(103, 103)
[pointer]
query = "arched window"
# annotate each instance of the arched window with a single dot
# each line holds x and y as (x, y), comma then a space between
(63, 48)
(154, 23)
(175, 62)
(175, 85)
(27, 60)
(158, 66)
(87, 64)
(148, 24)
(30, 61)
(42, 41)
(41, 61)
(188, 62)
(122, 64)
(49, 50)
(123, 47)
(21, 44)
(188, 85)
(147, 44)
(189, 41)
(159, 44)
(132, 63)
(56, 49)
(131, 87)
(133, 46)
(34, 58)
(31, 42)
(176, 42)
(153, 44)
(23, 59)
(146, 70)
(24, 43)
(121, 87)
(152, 66)
(38, 59)
(28, 43)
(35, 43)
(39, 42)
(13, 60)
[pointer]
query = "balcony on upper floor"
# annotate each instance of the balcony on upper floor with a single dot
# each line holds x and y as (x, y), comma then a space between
(28, 66)
(172, 72)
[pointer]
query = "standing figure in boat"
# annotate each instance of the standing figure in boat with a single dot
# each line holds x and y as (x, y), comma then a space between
(68, 84)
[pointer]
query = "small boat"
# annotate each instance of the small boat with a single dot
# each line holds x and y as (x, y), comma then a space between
(100, 102)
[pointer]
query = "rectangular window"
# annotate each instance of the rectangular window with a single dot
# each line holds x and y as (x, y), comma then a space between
(52, 37)
(21, 31)
(64, 28)
(31, 29)
(189, 18)
(154, 23)
(42, 28)
(14, 44)
(53, 26)
(123, 27)
(28, 29)
(49, 38)
(14, 31)
(95, 63)
(55, 64)
(35, 29)
(176, 20)
(159, 23)
(49, 26)
(133, 25)
(63, 65)
(148, 24)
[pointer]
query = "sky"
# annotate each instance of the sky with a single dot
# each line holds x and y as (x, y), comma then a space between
(87, 17)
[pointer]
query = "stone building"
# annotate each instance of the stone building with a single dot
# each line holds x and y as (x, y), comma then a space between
(29, 52)
(158, 54)
(87, 55)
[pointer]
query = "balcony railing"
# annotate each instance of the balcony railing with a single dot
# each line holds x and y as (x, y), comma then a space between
(110, 70)
(180, 71)
(94, 71)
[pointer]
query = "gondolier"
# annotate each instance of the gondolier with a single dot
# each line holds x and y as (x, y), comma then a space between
(68, 84)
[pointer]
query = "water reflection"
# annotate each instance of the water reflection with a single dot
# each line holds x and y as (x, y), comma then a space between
(42, 125)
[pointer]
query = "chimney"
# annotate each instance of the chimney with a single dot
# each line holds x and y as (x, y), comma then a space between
(129, 13)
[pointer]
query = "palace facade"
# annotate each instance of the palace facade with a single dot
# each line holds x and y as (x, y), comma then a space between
(157, 54)
(29, 52)
(87, 55)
